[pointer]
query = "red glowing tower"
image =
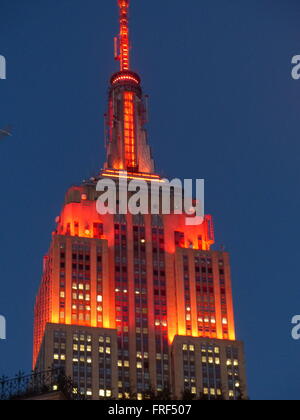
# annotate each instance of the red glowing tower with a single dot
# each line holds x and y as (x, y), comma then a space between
(135, 304)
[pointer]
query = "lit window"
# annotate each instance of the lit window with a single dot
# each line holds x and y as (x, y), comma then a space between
(194, 390)
(102, 393)
(212, 391)
(56, 356)
(192, 348)
(217, 361)
(99, 298)
(236, 363)
(139, 397)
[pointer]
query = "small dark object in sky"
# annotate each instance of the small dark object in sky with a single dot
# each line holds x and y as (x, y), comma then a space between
(4, 132)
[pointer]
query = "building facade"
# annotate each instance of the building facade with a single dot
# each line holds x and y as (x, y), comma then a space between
(135, 305)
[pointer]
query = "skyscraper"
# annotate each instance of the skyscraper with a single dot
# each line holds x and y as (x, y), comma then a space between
(135, 304)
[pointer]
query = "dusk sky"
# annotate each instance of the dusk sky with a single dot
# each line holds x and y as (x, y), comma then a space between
(223, 107)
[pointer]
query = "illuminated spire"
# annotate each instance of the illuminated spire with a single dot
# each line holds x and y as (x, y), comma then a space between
(122, 50)
(126, 137)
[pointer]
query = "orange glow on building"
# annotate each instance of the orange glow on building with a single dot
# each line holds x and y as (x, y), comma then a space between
(125, 78)
(131, 176)
(151, 278)
(129, 130)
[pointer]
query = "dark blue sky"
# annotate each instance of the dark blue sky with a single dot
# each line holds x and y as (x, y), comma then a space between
(223, 107)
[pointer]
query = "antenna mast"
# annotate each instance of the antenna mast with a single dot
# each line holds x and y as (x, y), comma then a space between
(123, 54)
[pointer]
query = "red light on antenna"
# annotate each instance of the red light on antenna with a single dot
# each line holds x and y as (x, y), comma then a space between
(124, 36)
(125, 77)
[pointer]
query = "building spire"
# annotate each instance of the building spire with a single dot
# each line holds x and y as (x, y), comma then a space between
(126, 137)
(122, 45)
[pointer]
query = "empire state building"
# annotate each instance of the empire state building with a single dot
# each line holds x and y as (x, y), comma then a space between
(135, 305)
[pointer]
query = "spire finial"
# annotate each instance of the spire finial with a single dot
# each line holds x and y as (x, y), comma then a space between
(123, 54)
